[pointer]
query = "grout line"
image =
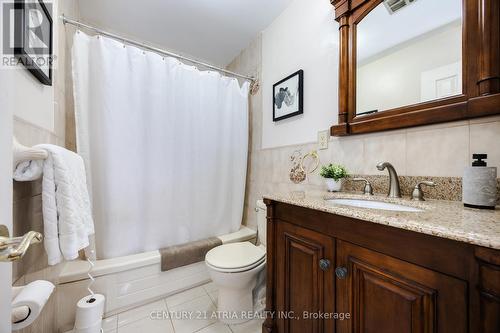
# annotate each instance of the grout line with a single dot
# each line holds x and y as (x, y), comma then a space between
(169, 319)
(189, 300)
(469, 145)
(485, 120)
(136, 308)
(406, 152)
(183, 291)
(210, 297)
(207, 294)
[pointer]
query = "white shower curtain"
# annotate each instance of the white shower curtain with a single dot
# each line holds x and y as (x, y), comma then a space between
(165, 146)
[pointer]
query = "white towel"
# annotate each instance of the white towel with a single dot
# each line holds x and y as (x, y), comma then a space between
(28, 170)
(67, 212)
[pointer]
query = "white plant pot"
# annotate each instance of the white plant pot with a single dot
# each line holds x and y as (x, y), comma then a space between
(333, 185)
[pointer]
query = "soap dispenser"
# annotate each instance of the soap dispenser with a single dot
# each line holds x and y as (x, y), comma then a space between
(479, 184)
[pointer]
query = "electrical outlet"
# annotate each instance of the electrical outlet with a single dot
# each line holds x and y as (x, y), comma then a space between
(323, 137)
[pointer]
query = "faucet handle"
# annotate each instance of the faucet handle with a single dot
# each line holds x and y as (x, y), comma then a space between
(368, 190)
(417, 193)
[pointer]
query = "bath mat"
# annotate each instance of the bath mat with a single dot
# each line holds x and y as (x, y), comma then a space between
(186, 254)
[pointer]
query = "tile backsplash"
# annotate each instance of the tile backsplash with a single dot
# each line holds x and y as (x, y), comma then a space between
(447, 188)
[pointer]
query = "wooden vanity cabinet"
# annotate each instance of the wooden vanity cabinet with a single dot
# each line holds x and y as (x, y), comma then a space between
(385, 294)
(307, 285)
(387, 279)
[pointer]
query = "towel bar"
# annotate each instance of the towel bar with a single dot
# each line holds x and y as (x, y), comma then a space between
(14, 248)
(22, 153)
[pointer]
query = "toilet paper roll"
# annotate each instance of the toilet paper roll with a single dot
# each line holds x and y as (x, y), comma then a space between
(34, 296)
(89, 311)
(19, 314)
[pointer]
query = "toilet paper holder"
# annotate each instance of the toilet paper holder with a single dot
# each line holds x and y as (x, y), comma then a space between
(28, 302)
(14, 248)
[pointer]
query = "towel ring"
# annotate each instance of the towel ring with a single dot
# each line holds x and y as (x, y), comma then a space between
(314, 155)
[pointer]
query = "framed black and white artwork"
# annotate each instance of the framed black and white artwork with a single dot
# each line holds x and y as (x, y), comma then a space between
(288, 96)
(33, 34)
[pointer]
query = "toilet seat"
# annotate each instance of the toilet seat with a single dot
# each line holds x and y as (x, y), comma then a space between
(238, 270)
(235, 257)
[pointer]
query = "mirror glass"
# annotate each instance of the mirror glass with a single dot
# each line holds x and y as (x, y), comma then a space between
(408, 52)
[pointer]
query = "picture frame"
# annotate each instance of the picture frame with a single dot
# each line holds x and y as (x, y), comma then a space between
(288, 96)
(34, 44)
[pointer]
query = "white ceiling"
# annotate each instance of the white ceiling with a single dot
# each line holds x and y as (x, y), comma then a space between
(211, 30)
(380, 31)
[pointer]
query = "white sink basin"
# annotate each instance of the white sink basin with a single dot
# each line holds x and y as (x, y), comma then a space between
(373, 205)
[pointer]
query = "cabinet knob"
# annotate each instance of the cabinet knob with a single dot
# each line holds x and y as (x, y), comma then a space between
(324, 264)
(341, 272)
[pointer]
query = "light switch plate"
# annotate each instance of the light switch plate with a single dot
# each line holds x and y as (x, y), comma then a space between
(323, 137)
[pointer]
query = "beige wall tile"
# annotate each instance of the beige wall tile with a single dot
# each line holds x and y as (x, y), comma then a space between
(348, 152)
(384, 148)
(59, 117)
(438, 152)
(70, 130)
(253, 167)
(485, 120)
(31, 135)
(276, 165)
(249, 60)
(256, 121)
(438, 126)
(266, 164)
(484, 139)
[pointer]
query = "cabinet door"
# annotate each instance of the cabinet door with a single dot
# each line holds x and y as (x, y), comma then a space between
(304, 279)
(384, 294)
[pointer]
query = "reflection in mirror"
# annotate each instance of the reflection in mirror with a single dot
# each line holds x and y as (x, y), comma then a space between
(408, 54)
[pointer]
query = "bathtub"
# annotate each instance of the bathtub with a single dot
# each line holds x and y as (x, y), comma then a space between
(130, 281)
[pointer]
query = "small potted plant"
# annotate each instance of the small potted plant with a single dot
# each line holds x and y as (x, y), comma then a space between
(333, 174)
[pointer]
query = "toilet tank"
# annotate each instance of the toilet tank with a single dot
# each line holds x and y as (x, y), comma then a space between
(261, 221)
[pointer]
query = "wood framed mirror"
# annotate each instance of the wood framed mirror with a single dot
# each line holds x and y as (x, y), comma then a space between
(406, 63)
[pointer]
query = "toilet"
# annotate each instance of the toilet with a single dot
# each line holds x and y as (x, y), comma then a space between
(234, 269)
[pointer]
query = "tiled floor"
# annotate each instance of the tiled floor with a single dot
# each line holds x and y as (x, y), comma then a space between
(187, 309)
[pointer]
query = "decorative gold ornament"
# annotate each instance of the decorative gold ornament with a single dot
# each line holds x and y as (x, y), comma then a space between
(299, 172)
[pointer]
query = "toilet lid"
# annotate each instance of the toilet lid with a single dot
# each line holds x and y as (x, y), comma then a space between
(235, 255)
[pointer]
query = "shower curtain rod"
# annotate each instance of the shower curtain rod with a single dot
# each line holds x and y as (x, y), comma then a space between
(152, 48)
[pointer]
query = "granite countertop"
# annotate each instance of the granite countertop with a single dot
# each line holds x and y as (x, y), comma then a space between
(447, 219)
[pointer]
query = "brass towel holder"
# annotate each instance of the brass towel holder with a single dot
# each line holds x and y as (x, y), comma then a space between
(14, 248)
